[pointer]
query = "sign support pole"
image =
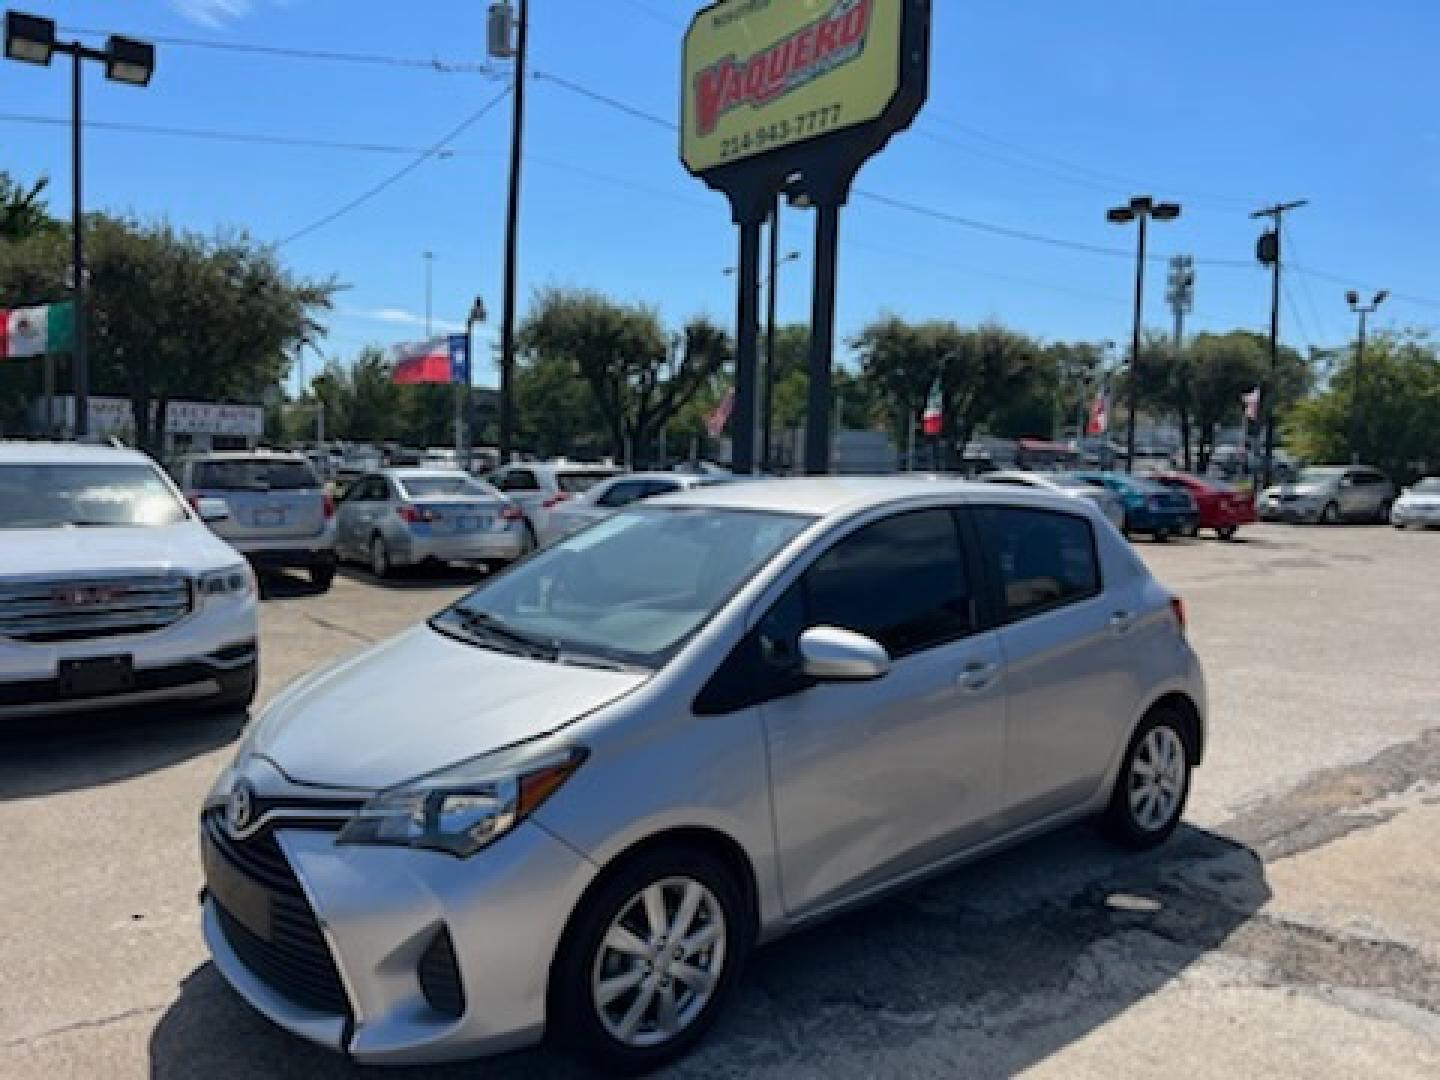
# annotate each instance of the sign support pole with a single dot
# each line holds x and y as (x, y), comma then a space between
(822, 339)
(747, 347)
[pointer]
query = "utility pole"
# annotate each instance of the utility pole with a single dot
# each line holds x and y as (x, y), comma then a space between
(1268, 251)
(501, 21)
(1180, 295)
(767, 385)
(1356, 400)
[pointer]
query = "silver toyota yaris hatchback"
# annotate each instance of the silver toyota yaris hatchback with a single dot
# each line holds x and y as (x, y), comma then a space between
(572, 803)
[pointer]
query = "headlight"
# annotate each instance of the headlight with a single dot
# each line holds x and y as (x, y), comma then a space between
(466, 807)
(233, 580)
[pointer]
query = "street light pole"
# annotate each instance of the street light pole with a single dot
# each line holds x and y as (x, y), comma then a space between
(767, 386)
(1362, 310)
(512, 218)
(31, 39)
(1140, 209)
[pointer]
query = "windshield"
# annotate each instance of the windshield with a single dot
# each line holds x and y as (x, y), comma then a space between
(1309, 477)
(577, 483)
(255, 474)
(632, 588)
(445, 487)
(56, 495)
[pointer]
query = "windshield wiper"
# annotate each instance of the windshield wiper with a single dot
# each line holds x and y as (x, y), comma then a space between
(538, 647)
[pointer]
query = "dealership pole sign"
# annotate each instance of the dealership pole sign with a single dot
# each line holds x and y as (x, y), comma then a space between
(795, 96)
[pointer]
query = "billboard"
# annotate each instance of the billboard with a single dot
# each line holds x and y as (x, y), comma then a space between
(763, 75)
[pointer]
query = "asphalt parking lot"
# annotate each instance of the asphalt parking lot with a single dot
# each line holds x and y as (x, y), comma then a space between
(1291, 928)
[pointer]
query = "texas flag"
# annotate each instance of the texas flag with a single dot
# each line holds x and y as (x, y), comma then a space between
(1099, 420)
(423, 362)
(1251, 401)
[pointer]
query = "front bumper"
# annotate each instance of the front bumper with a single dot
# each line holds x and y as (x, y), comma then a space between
(381, 909)
(1429, 517)
(506, 546)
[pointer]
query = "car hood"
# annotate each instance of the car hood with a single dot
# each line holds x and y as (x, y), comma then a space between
(1416, 498)
(187, 546)
(420, 702)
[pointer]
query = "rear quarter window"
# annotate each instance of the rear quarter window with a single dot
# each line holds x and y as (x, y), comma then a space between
(1040, 560)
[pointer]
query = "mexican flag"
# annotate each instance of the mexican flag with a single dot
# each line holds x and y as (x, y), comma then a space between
(35, 331)
(933, 419)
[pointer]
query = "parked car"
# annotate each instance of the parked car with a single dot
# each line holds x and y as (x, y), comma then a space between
(1330, 494)
(538, 487)
(1418, 505)
(112, 590)
(573, 801)
(608, 496)
(1220, 506)
(1149, 507)
(1062, 483)
(281, 512)
(406, 517)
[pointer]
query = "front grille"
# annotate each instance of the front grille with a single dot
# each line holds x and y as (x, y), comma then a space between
(295, 961)
(70, 609)
(439, 976)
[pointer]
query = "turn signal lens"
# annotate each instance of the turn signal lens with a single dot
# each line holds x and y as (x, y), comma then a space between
(1177, 608)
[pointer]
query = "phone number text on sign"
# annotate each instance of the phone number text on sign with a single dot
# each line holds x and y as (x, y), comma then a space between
(781, 132)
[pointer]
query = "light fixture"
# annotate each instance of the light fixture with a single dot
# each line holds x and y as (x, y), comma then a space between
(129, 61)
(29, 38)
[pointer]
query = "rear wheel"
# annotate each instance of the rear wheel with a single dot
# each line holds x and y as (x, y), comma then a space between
(322, 576)
(649, 960)
(1331, 514)
(380, 557)
(1153, 784)
(1226, 532)
(1162, 536)
(1382, 512)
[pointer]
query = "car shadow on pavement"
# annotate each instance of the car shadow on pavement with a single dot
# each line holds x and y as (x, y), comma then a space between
(46, 755)
(411, 579)
(981, 973)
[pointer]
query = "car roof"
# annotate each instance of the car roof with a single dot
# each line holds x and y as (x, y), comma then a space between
(683, 479)
(246, 455)
(37, 453)
(840, 496)
(419, 473)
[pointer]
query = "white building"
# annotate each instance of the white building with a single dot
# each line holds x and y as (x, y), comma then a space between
(189, 425)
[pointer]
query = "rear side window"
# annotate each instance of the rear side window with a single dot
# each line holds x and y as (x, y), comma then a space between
(255, 474)
(622, 494)
(577, 483)
(901, 581)
(1041, 559)
(519, 480)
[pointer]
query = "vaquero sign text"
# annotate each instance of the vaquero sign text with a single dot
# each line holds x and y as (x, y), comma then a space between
(761, 75)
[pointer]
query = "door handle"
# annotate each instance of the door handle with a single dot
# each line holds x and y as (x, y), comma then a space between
(1122, 622)
(978, 674)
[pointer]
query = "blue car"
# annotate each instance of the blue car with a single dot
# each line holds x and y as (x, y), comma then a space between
(1149, 507)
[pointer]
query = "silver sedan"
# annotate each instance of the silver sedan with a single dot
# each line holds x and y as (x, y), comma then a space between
(610, 496)
(570, 804)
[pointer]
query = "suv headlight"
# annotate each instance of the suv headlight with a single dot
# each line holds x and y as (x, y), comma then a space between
(232, 580)
(464, 808)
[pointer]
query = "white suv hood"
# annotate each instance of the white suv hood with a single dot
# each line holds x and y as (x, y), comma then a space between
(188, 546)
(420, 702)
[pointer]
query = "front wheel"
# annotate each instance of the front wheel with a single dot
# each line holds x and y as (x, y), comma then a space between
(380, 557)
(1226, 532)
(322, 575)
(1382, 512)
(649, 960)
(1153, 784)
(1331, 514)
(1162, 536)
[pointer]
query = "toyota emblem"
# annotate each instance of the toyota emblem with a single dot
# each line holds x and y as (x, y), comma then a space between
(240, 808)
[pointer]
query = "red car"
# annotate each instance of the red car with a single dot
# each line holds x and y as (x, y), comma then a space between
(1222, 507)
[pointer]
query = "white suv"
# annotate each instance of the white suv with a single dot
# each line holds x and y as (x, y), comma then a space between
(113, 592)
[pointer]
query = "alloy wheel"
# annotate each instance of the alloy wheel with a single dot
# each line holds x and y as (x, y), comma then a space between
(1157, 779)
(379, 558)
(659, 962)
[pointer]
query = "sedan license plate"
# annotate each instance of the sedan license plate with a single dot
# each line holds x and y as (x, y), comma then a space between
(243, 900)
(265, 519)
(472, 523)
(93, 676)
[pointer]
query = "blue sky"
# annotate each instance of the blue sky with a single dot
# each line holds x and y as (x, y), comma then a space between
(1042, 113)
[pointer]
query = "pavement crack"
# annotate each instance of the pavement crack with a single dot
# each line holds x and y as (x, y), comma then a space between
(82, 1025)
(326, 624)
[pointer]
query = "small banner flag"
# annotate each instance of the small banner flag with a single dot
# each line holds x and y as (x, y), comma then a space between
(460, 359)
(1251, 401)
(933, 418)
(1099, 422)
(422, 362)
(720, 415)
(35, 331)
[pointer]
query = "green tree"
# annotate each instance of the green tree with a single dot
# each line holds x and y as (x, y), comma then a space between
(23, 212)
(1396, 425)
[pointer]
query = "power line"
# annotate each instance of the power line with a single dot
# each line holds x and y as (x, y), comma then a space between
(1319, 320)
(1295, 314)
(435, 64)
(650, 12)
(605, 99)
(399, 174)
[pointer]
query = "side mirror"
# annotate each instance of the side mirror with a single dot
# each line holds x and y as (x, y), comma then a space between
(829, 654)
(212, 510)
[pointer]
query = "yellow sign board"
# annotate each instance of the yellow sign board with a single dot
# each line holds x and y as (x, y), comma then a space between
(761, 75)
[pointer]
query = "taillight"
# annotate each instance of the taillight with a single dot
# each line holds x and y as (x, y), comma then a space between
(329, 506)
(414, 515)
(512, 513)
(555, 500)
(1177, 608)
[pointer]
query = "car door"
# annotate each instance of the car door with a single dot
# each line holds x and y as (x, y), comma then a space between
(1063, 639)
(1353, 495)
(874, 780)
(357, 513)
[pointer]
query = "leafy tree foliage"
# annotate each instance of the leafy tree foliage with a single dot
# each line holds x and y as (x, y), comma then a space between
(23, 212)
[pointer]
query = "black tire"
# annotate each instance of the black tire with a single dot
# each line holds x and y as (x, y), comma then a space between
(572, 1016)
(1160, 536)
(1331, 514)
(1123, 821)
(1192, 531)
(1382, 513)
(322, 576)
(1226, 532)
(532, 543)
(237, 690)
(380, 564)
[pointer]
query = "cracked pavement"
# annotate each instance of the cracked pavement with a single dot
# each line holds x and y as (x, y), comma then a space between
(1290, 927)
